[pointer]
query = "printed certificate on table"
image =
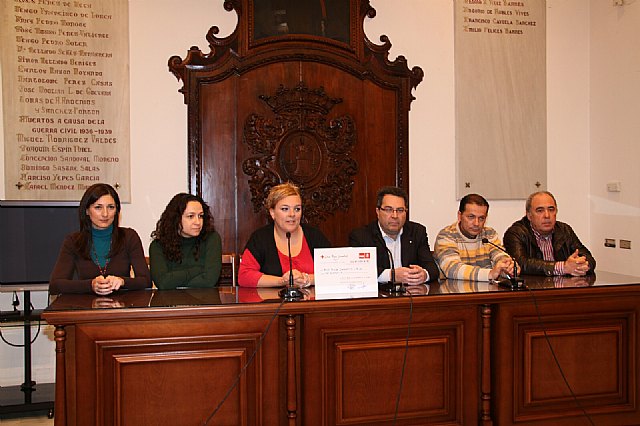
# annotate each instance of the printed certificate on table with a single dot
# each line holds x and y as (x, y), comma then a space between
(345, 272)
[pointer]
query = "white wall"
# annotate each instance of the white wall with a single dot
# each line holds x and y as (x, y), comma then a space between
(593, 67)
(615, 132)
(43, 356)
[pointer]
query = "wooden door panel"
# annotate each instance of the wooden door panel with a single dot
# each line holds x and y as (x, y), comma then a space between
(358, 360)
(129, 372)
(594, 342)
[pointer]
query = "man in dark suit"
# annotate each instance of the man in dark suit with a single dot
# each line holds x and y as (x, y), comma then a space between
(406, 240)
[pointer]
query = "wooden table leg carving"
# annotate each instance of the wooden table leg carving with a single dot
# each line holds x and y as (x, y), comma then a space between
(485, 381)
(292, 400)
(60, 336)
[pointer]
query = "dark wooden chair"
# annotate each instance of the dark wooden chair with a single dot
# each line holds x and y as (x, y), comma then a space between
(229, 270)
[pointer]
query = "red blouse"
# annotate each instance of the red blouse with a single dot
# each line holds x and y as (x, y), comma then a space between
(249, 272)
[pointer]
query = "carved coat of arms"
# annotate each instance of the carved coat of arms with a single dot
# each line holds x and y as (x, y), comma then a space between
(300, 143)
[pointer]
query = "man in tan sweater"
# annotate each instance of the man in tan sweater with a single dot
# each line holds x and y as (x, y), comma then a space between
(459, 248)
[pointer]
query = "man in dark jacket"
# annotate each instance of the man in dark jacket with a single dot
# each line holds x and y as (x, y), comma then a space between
(406, 240)
(543, 246)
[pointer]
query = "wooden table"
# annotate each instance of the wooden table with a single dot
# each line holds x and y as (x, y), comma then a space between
(475, 354)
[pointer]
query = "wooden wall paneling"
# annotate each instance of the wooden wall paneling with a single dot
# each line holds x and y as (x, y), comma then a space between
(148, 377)
(136, 370)
(354, 352)
(601, 344)
(223, 87)
(595, 343)
(218, 184)
(356, 364)
(375, 159)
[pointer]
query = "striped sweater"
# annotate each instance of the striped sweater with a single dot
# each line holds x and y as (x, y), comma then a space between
(464, 258)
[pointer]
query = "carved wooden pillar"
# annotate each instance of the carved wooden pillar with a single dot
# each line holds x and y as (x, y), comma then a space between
(60, 409)
(292, 388)
(485, 381)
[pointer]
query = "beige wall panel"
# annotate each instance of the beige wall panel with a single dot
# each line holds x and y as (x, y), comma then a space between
(65, 76)
(500, 77)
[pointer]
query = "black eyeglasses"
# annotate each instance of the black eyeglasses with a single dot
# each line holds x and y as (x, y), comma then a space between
(390, 210)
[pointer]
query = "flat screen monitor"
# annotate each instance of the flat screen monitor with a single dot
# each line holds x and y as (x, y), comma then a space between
(30, 240)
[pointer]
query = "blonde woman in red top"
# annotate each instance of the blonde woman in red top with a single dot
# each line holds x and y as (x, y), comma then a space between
(265, 260)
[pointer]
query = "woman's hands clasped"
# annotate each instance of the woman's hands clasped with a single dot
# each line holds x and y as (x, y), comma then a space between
(106, 285)
(300, 279)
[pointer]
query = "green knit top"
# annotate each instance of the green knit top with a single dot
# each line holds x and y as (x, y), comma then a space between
(203, 272)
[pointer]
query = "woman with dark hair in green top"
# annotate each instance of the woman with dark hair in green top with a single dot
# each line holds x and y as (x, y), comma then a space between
(186, 251)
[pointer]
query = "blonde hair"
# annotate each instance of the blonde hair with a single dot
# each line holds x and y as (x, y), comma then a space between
(279, 192)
